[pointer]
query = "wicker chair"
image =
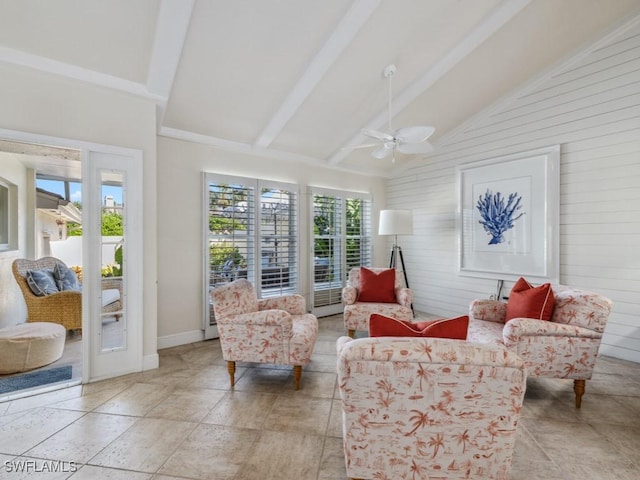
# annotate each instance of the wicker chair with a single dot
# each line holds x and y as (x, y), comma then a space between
(65, 307)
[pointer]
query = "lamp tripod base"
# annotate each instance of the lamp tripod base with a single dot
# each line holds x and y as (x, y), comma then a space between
(396, 252)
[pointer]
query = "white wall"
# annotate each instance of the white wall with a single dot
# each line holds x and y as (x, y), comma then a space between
(180, 228)
(591, 107)
(12, 311)
(45, 104)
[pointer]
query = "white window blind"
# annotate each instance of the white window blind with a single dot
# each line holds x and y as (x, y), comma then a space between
(252, 234)
(341, 240)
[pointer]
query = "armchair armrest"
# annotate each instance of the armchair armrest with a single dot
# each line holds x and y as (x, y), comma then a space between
(263, 317)
(517, 328)
(404, 296)
(341, 342)
(293, 304)
(349, 295)
(489, 310)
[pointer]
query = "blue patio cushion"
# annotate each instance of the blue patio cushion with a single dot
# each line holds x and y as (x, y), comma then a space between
(66, 279)
(42, 282)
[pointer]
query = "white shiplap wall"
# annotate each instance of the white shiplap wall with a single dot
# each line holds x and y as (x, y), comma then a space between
(590, 106)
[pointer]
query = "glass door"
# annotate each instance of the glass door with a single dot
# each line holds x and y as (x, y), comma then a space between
(112, 259)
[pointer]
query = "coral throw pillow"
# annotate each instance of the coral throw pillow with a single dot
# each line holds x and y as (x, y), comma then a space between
(377, 287)
(454, 328)
(528, 301)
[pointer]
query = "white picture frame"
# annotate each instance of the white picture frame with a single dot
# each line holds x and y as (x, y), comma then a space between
(508, 216)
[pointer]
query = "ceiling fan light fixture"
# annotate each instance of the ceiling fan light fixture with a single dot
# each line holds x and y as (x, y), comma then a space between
(409, 140)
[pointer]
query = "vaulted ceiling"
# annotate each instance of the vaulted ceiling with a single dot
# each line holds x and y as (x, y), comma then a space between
(299, 79)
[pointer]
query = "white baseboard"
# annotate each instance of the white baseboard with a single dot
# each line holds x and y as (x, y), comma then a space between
(149, 362)
(180, 339)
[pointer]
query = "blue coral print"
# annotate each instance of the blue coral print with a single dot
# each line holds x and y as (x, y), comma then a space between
(498, 214)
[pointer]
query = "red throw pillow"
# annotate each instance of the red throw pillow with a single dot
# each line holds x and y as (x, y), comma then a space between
(528, 301)
(377, 287)
(454, 328)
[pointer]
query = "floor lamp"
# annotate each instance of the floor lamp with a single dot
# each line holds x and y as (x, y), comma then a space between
(396, 222)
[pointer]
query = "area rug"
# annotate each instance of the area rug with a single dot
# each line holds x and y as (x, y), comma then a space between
(35, 379)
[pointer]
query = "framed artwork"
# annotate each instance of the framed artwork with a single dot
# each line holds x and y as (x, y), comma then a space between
(508, 216)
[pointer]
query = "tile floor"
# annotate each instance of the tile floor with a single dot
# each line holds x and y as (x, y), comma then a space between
(182, 421)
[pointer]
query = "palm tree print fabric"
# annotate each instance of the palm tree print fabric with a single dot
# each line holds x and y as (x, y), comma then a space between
(426, 408)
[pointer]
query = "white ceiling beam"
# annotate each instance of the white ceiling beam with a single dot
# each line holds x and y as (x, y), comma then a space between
(487, 27)
(247, 149)
(341, 37)
(172, 26)
(47, 65)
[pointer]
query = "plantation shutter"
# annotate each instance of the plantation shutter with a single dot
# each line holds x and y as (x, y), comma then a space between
(341, 240)
(251, 233)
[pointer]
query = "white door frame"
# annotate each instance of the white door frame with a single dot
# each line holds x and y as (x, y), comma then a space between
(135, 157)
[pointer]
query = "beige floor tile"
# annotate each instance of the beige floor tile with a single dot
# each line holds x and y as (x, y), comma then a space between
(145, 446)
(136, 400)
(318, 384)
(87, 403)
(188, 405)
(90, 472)
(606, 409)
(299, 414)
(624, 437)
(44, 399)
(283, 455)
(213, 452)
(322, 363)
(576, 441)
(602, 471)
(335, 420)
(332, 465)
(214, 376)
(266, 380)
(84, 438)
(538, 471)
(27, 431)
(242, 409)
(613, 384)
(325, 345)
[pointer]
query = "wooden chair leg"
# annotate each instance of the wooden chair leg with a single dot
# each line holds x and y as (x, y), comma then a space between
(578, 388)
(231, 368)
(351, 333)
(297, 375)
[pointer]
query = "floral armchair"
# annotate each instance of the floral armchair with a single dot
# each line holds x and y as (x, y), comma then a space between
(275, 330)
(357, 313)
(564, 347)
(428, 408)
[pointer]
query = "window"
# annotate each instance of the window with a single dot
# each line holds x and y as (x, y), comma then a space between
(341, 240)
(252, 234)
(8, 215)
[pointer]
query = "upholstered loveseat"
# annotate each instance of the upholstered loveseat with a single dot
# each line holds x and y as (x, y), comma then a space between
(564, 347)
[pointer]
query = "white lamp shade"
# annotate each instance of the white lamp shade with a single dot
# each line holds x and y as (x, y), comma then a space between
(395, 222)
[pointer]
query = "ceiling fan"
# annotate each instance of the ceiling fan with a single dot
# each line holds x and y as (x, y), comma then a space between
(410, 140)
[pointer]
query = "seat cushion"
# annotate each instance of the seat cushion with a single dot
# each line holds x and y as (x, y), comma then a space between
(453, 328)
(109, 296)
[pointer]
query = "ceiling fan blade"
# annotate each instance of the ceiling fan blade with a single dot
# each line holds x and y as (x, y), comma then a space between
(413, 148)
(382, 152)
(415, 134)
(356, 147)
(385, 137)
